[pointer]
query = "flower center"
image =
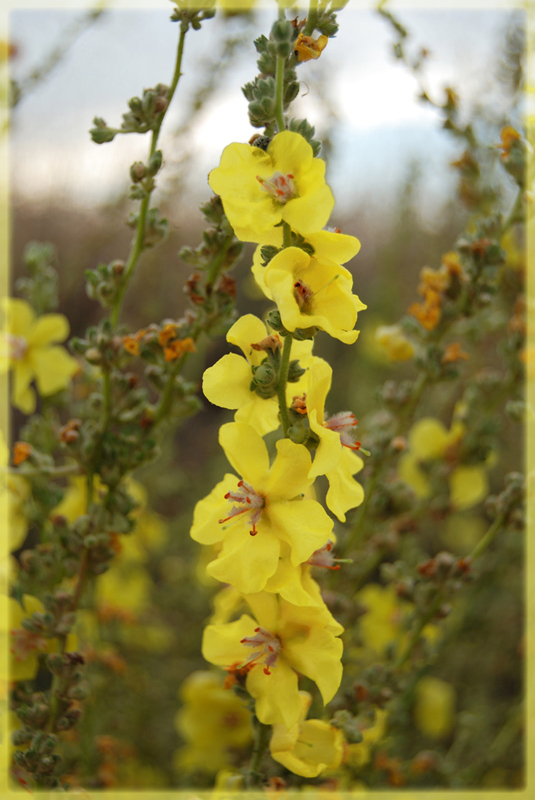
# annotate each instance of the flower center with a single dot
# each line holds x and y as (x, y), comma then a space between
(324, 557)
(344, 423)
(267, 646)
(16, 346)
(304, 295)
(280, 187)
(24, 643)
(254, 504)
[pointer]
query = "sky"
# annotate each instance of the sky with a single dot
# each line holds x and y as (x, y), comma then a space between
(381, 125)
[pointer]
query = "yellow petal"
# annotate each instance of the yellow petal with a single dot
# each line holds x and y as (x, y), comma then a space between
(320, 384)
(226, 383)
(246, 331)
(276, 695)
(428, 438)
(288, 477)
(468, 486)
(22, 396)
(318, 657)
(206, 527)
(266, 609)
(290, 583)
(53, 368)
(319, 747)
(344, 491)
(260, 414)
(303, 524)
(410, 472)
(329, 449)
(246, 452)
(434, 711)
(48, 329)
(19, 315)
(221, 644)
(246, 562)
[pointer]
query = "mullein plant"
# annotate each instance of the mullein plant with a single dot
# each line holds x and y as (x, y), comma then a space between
(264, 520)
(100, 411)
(300, 593)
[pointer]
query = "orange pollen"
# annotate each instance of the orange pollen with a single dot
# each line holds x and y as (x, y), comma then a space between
(280, 187)
(21, 451)
(254, 505)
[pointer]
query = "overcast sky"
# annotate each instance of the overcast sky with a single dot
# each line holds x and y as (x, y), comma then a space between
(381, 123)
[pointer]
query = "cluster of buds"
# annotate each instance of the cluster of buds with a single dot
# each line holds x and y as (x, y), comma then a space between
(103, 283)
(188, 14)
(143, 116)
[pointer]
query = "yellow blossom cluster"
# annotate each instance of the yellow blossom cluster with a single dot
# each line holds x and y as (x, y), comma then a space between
(434, 285)
(262, 522)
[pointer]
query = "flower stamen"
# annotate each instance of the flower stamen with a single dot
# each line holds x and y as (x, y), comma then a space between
(16, 346)
(280, 187)
(324, 558)
(269, 645)
(254, 504)
(344, 423)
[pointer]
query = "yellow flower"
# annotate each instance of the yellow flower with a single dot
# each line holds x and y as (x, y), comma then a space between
(395, 344)
(280, 642)
(270, 510)
(311, 292)
(211, 720)
(335, 456)
(329, 244)
(309, 747)
(384, 621)
(429, 440)
(14, 493)
(359, 754)
(28, 349)
(260, 188)
(307, 47)
(434, 710)
(228, 382)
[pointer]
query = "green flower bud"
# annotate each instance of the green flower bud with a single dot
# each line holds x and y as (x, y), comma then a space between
(138, 171)
(298, 433)
(304, 333)
(155, 162)
(264, 375)
(295, 371)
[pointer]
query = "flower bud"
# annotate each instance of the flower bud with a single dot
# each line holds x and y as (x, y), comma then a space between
(137, 171)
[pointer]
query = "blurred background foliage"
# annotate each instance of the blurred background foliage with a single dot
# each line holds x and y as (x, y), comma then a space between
(458, 721)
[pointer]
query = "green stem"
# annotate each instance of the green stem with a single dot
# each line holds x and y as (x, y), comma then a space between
(283, 378)
(494, 529)
(218, 261)
(139, 242)
(261, 739)
(312, 18)
(514, 214)
(355, 535)
(417, 391)
(415, 635)
(279, 91)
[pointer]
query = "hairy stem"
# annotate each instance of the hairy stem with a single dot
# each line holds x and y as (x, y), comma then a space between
(283, 379)
(312, 18)
(279, 89)
(490, 535)
(261, 739)
(139, 242)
